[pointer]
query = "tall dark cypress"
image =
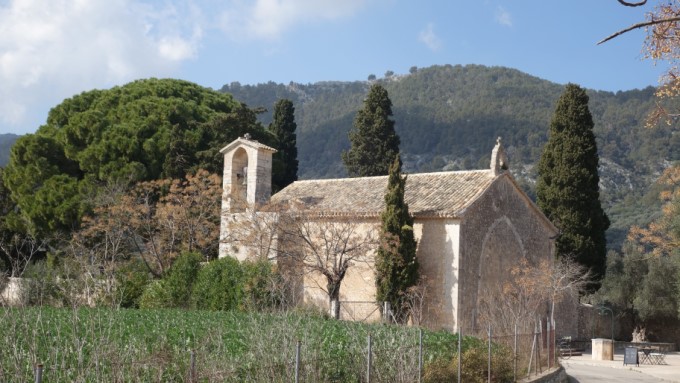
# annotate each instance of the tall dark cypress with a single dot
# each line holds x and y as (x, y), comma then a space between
(373, 139)
(396, 266)
(567, 189)
(285, 162)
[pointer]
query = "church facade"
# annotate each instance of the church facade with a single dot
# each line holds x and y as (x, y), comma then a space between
(472, 227)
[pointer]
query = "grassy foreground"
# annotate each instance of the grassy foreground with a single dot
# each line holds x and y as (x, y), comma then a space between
(84, 345)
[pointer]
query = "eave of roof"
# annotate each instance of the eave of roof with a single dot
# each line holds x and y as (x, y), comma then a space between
(247, 142)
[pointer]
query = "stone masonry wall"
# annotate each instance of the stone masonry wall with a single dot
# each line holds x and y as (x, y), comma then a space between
(498, 230)
(438, 261)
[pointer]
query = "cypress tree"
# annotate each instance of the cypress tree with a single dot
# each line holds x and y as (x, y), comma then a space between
(395, 262)
(374, 143)
(285, 162)
(567, 188)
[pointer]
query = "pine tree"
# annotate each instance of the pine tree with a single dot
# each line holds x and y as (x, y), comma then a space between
(567, 189)
(373, 139)
(395, 262)
(285, 162)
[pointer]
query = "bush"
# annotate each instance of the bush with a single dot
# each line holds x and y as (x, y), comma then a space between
(227, 284)
(175, 289)
(131, 280)
(155, 296)
(57, 281)
(218, 285)
(181, 277)
(258, 281)
(474, 368)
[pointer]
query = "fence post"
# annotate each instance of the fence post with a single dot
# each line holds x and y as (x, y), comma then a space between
(297, 362)
(554, 342)
(369, 359)
(192, 366)
(420, 355)
(536, 340)
(531, 356)
(514, 357)
(549, 339)
(460, 356)
(387, 309)
(38, 373)
(489, 367)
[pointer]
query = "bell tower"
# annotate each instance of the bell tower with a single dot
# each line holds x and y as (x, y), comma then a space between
(247, 177)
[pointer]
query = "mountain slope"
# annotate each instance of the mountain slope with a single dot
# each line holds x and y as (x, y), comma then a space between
(6, 141)
(448, 117)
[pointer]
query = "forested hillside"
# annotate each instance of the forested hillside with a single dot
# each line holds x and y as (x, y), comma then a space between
(6, 141)
(448, 117)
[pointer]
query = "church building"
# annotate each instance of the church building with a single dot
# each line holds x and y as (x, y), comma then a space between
(472, 226)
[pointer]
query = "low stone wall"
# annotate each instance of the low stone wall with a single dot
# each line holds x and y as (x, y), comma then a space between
(557, 375)
(665, 347)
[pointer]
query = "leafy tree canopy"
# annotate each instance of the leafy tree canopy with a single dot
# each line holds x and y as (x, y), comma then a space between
(145, 130)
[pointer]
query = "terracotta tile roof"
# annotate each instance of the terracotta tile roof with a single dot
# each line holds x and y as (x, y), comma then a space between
(444, 194)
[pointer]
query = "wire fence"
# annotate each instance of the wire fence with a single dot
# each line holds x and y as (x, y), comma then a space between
(497, 357)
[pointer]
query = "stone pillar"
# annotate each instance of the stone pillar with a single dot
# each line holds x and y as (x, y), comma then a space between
(603, 349)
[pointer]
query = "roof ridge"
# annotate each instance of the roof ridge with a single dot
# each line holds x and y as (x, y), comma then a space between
(449, 172)
(406, 174)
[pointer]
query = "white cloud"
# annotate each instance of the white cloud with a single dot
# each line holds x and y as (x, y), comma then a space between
(429, 38)
(503, 17)
(269, 19)
(53, 49)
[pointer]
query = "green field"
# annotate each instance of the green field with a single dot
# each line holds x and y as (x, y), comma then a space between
(87, 345)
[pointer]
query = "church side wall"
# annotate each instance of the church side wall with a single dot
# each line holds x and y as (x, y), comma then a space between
(357, 291)
(438, 261)
(498, 230)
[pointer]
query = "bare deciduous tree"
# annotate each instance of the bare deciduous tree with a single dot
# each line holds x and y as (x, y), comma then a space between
(315, 251)
(21, 250)
(519, 299)
(327, 248)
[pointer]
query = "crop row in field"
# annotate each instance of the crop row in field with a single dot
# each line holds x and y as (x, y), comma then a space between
(155, 345)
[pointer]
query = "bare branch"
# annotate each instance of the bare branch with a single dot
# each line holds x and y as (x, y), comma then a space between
(639, 25)
(628, 4)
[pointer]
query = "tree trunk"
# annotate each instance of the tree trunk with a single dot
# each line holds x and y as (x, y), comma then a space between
(334, 298)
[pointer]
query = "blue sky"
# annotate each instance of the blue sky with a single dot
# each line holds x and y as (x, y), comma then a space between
(51, 50)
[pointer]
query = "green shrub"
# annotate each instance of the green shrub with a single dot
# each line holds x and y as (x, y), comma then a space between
(155, 296)
(56, 281)
(474, 367)
(219, 285)
(257, 283)
(181, 277)
(131, 279)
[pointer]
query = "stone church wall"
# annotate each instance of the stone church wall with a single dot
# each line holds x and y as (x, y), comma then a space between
(438, 260)
(498, 230)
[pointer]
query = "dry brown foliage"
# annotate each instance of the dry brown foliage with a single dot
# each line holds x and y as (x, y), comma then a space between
(662, 236)
(156, 220)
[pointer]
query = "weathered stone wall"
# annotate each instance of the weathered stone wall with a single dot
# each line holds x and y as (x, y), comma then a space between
(566, 318)
(498, 230)
(438, 261)
(358, 285)
(250, 235)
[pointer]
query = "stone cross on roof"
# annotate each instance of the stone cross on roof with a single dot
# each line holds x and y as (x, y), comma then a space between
(499, 161)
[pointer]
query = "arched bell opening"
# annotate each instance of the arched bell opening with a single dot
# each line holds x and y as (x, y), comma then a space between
(239, 179)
